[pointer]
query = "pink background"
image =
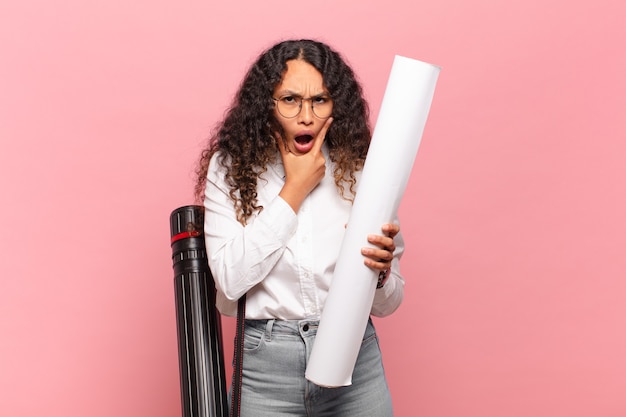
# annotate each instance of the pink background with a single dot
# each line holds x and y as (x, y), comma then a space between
(514, 216)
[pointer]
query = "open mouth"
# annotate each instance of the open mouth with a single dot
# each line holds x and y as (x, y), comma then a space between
(304, 139)
(303, 143)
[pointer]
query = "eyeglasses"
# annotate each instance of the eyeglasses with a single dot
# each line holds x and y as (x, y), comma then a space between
(289, 106)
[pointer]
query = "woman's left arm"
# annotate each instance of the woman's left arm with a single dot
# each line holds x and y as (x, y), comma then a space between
(384, 258)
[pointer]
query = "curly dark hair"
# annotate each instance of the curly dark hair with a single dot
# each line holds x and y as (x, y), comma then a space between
(245, 139)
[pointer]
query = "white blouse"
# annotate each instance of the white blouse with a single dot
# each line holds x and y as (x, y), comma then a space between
(284, 261)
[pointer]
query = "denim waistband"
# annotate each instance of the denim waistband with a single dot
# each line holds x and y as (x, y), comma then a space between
(283, 326)
(287, 326)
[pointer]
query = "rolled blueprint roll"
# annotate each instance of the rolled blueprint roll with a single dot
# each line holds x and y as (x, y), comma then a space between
(396, 138)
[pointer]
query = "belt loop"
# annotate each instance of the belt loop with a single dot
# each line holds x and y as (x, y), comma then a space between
(268, 329)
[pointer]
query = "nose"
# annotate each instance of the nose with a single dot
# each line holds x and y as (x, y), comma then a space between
(306, 112)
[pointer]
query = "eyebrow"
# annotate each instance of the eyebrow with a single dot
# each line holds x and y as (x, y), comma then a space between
(282, 93)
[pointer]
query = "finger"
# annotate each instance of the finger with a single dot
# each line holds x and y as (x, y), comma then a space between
(383, 242)
(391, 229)
(379, 264)
(321, 136)
(381, 256)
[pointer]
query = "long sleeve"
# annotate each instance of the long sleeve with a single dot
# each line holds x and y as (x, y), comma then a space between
(241, 257)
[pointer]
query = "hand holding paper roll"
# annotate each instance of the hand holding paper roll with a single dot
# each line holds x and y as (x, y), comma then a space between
(380, 256)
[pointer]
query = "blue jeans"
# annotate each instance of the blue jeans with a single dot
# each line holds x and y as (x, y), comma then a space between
(275, 358)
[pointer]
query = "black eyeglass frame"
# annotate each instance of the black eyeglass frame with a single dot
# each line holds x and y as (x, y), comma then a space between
(302, 99)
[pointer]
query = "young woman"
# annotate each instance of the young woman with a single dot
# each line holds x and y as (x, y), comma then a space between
(278, 180)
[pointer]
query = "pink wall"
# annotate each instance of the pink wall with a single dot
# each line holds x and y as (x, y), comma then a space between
(514, 217)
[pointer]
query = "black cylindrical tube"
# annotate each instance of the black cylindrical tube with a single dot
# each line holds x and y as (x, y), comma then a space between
(200, 350)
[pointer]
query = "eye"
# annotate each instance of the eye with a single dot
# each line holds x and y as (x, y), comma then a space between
(320, 100)
(290, 100)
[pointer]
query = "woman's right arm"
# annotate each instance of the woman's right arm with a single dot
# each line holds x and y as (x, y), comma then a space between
(242, 256)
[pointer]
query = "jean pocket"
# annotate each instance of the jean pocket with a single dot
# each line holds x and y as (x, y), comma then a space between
(369, 339)
(253, 339)
(369, 336)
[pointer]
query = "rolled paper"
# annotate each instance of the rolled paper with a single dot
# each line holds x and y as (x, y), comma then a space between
(395, 141)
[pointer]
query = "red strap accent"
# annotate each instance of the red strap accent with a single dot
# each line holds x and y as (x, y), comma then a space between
(184, 235)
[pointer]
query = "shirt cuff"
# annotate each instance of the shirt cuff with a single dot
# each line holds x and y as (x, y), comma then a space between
(279, 217)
